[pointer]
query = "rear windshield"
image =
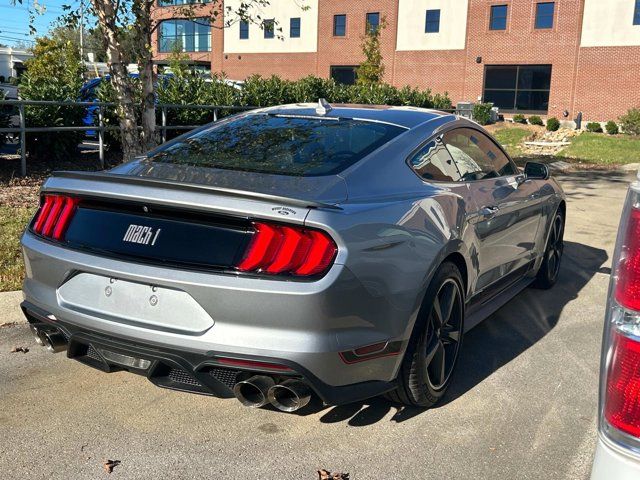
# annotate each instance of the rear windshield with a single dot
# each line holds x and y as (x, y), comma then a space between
(278, 144)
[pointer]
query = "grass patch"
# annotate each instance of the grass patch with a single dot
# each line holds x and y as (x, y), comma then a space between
(12, 223)
(602, 149)
(511, 138)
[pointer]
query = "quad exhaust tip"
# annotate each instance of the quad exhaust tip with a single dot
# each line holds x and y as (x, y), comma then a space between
(253, 391)
(290, 395)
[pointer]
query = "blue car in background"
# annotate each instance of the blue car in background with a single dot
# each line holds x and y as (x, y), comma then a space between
(88, 93)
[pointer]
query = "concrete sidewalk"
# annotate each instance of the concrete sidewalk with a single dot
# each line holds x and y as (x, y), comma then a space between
(10, 308)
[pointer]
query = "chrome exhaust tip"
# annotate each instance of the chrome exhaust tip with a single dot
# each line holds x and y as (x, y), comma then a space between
(253, 391)
(290, 395)
(37, 335)
(54, 341)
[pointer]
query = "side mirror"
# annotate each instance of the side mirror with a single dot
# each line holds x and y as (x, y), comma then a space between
(536, 171)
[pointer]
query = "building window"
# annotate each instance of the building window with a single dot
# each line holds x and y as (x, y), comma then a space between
(185, 35)
(498, 20)
(373, 22)
(294, 28)
(432, 23)
(544, 15)
(345, 75)
(269, 28)
(518, 87)
(636, 13)
(339, 25)
(244, 30)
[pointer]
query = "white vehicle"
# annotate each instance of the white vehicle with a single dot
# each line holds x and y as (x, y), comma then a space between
(618, 451)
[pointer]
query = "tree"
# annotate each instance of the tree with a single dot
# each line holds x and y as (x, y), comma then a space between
(371, 70)
(69, 31)
(116, 17)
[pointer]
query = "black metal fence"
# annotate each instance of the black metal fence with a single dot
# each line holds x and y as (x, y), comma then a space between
(100, 127)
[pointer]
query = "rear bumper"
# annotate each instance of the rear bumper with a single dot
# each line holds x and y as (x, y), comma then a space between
(306, 325)
(186, 371)
(611, 462)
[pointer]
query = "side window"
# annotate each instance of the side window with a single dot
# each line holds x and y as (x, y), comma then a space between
(433, 162)
(476, 155)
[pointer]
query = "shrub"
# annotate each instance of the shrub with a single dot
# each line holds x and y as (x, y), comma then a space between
(5, 120)
(594, 127)
(612, 127)
(519, 118)
(54, 73)
(482, 113)
(535, 120)
(630, 122)
(553, 124)
(187, 88)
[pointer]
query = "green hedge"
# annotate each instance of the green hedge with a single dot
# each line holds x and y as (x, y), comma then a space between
(257, 91)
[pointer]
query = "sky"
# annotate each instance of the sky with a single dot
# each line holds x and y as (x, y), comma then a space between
(14, 19)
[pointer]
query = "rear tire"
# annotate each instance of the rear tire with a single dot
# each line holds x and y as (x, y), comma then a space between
(433, 349)
(547, 275)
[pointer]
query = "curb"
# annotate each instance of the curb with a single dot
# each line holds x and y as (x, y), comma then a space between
(10, 312)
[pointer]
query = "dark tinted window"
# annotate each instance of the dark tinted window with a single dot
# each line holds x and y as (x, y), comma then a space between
(269, 27)
(498, 20)
(345, 75)
(636, 13)
(501, 77)
(373, 21)
(433, 162)
(518, 87)
(244, 30)
(432, 23)
(279, 144)
(339, 25)
(294, 28)
(544, 14)
(476, 155)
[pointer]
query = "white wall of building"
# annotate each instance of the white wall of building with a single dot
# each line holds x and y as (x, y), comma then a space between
(282, 11)
(411, 25)
(609, 23)
(9, 57)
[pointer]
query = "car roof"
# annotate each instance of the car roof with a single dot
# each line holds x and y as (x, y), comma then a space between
(408, 117)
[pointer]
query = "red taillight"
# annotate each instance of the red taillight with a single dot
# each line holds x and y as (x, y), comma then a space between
(278, 249)
(54, 216)
(622, 401)
(628, 272)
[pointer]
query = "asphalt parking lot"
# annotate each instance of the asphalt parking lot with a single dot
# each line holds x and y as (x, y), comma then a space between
(522, 405)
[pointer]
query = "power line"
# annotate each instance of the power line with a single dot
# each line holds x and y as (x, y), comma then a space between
(16, 39)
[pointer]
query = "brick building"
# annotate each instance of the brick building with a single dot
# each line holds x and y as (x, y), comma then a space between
(532, 56)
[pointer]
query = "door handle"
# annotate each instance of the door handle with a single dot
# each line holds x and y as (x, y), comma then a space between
(488, 212)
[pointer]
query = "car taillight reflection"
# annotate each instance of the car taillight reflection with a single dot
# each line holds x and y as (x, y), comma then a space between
(54, 216)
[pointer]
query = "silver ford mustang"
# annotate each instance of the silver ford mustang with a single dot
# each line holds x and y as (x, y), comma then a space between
(292, 251)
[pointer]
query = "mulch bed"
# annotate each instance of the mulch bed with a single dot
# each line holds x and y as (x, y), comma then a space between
(17, 191)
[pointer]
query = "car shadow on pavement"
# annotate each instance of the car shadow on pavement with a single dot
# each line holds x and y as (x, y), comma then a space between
(503, 336)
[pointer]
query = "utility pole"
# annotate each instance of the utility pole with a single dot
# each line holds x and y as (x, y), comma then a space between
(82, 30)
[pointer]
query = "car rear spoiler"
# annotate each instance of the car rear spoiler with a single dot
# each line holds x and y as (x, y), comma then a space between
(174, 185)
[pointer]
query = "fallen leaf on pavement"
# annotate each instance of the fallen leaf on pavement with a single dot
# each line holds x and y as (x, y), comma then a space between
(19, 349)
(109, 465)
(327, 475)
